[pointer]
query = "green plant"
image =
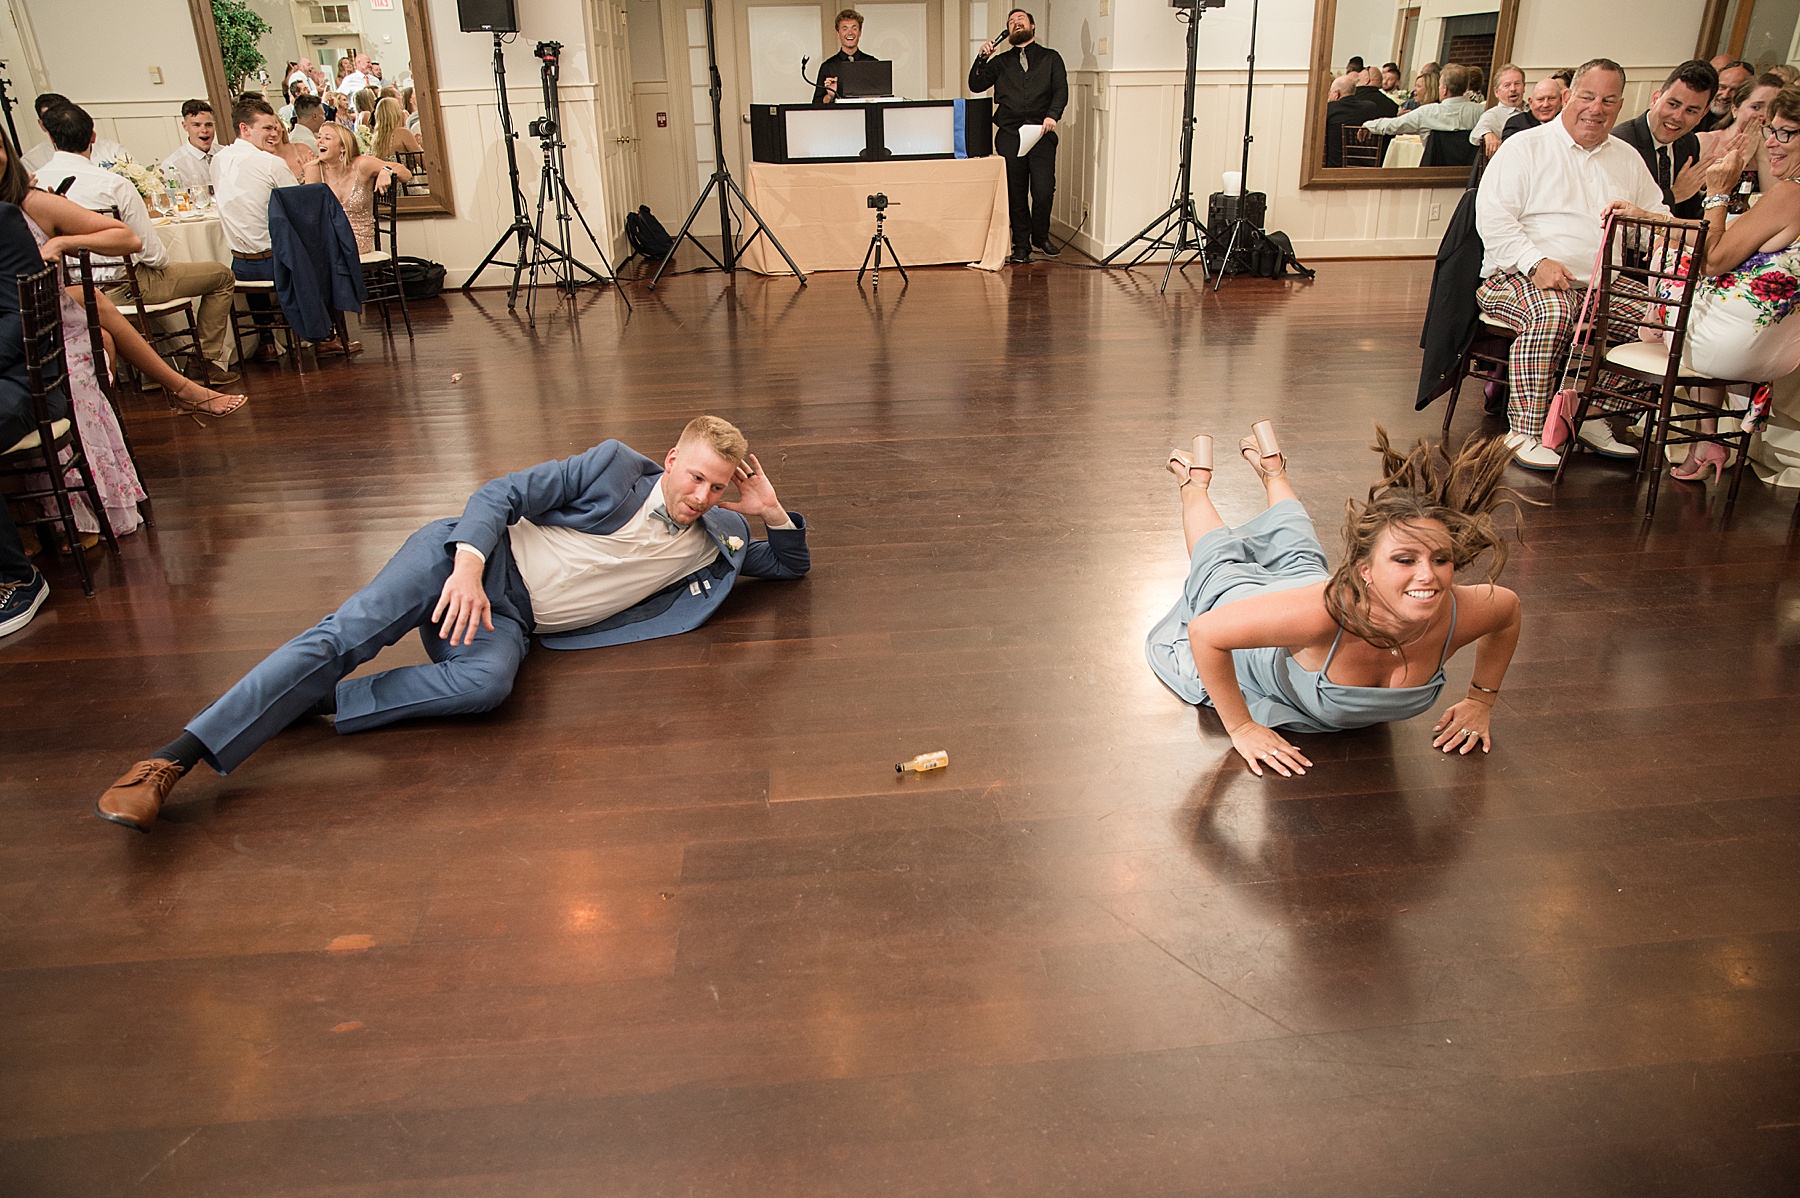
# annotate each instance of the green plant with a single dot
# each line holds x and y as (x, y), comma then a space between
(239, 28)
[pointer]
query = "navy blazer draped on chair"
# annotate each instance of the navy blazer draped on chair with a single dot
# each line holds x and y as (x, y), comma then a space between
(317, 268)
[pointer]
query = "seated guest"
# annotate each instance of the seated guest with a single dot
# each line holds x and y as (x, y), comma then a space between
(1732, 75)
(354, 178)
(391, 137)
(1748, 107)
(1390, 80)
(1355, 65)
(337, 109)
(340, 72)
(1664, 137)
(1375, 101)
(849, 32)
(1741, 325)
(605, 548)
(106, 151)
(22, 588)
(1546, 101)
(295, 90)
(1509, 101)
(61, 226)
(309, 114)
(296, 154)
(159, 279)
(1343, 109)
(1539, 211)
(1787, 72)
(408, 103)
(192, 159)
(245, 173)
(1270, 637)
(374, 73)
(1457, 109)
(1424, 91)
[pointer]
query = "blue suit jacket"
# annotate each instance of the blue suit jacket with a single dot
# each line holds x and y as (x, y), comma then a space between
(317, 270)
(597, 492)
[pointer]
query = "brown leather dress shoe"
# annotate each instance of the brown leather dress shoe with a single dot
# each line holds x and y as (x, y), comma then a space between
(221, 378)
(268, 352)
(334, 348)
(137, 798)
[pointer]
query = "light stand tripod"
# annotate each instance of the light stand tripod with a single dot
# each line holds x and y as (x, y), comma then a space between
(880, 202)
(521, 224)
(1179, 220)
(558, 257)
(1242, 226)
(721, 179)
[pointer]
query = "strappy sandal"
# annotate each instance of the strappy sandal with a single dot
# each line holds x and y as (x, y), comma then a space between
(1262, 444)
(1182, 465)
(197, 409)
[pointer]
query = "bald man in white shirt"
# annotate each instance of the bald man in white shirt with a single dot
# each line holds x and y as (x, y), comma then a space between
(1539, 213)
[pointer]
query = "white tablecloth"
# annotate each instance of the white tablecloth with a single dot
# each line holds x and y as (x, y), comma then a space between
(201, 239)
(1407, 149)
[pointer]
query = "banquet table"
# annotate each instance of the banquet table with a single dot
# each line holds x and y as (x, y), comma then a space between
(197, 238)
(943, 210)
(1407, 149)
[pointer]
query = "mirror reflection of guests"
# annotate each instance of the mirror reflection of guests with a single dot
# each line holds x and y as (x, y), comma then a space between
(1509, 101)
(355, 179)
(1545, 102)
(1424, 90)
(1270, 637)
(391, 137)
(1741, 325)
(1458, 108)
(849, 26)
(1031, 87)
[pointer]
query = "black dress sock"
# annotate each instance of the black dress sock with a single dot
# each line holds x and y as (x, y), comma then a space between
(185, 751)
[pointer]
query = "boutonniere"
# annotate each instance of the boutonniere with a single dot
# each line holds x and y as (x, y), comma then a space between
(734, 543)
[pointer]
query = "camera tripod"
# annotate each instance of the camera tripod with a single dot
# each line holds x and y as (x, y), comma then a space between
(878, 242)
(534, 253)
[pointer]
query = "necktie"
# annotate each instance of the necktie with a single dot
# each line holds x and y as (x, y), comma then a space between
(1024, 65)
(1662, 168)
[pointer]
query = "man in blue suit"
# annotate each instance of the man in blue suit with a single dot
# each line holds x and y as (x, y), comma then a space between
(599, 549)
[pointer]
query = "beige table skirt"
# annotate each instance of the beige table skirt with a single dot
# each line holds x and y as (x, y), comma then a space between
(944, 210)
(198, 239)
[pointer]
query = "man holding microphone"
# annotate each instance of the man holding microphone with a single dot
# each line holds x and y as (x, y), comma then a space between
(1030, 88)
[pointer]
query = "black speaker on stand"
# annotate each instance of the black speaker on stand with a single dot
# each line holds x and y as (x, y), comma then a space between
(487, 16)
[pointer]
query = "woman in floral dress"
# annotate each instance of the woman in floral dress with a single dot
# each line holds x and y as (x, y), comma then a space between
(1738, 327)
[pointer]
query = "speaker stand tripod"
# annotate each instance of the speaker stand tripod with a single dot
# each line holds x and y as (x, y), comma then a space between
(876, 244)
(1178, 229)
(721, 179)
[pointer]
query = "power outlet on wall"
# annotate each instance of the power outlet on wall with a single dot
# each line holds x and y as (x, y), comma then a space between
(1437, 211)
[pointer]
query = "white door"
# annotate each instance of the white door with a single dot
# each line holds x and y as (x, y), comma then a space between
(621, 181)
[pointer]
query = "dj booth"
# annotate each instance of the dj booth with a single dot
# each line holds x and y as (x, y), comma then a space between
(816, 165)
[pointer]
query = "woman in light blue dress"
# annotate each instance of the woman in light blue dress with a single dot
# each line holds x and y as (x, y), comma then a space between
(1270, 637)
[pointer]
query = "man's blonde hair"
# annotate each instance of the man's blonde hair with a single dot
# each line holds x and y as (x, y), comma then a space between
(721, 436)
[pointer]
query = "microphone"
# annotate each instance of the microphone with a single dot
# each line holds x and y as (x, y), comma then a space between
(804, 59)
(988, 50)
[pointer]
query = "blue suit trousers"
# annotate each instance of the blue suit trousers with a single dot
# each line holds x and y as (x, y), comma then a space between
(460, 678)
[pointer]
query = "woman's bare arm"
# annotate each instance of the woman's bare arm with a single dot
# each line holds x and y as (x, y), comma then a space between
(1490, 617)
(1290, 619)
(70, 227)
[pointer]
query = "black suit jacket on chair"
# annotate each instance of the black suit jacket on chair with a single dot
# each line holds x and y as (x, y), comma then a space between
(1636, 134)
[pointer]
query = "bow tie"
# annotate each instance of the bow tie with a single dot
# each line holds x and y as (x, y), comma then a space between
(660, 512)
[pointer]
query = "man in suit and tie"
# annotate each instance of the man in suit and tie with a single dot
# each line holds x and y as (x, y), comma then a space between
(1664, 135)
(603, 548)
(1031, 87)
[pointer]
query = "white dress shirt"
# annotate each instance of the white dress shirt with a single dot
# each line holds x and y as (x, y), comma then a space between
(193, 166)
(105, 152)
(1455, 114)
(300, 135)
(1492, 121)
(1542, 195)
(243, 178)
(578, 578)
(96, 188)
(352, 83)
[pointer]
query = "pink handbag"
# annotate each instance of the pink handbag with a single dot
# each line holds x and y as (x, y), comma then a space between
(1559, 421)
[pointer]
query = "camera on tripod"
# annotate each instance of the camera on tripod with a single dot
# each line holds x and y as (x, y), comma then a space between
(542, 128)
(550, 52)
(879, 201)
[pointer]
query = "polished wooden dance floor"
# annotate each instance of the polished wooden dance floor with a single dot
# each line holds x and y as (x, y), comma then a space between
(667, 923)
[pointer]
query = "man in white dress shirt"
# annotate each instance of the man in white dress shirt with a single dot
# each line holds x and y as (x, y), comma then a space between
(309, 114)
(245, 174)
(357, 79)
(604, 548)
(1457, 109)
(106, 150)
(72, 132)
(192, 159)
(1509, 102)
(1539, 213)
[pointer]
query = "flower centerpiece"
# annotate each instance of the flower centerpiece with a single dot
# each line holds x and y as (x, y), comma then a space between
(148, 184)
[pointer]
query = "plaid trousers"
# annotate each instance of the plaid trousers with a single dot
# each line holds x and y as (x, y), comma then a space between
(1545, 322)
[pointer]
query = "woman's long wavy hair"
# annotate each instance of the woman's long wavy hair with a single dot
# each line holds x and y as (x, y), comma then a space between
(15, 183)
(1460, 491)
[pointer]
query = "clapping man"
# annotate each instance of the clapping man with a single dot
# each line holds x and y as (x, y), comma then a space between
(1031, 87)
(1664, 135)
(604, 548)
(159, 279)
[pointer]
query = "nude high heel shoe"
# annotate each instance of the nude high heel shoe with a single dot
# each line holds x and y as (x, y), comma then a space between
(1262, 444)
(1182, 465)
